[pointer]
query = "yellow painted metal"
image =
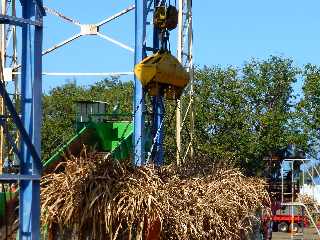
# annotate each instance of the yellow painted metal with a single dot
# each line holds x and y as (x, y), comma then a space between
(165, 17)
(160, 17)
(162, 73)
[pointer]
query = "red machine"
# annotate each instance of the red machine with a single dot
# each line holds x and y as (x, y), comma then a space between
(283, 186)
(285, 223)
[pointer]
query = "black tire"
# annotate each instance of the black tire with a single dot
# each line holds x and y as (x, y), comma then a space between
(294, 227)
(283, 227)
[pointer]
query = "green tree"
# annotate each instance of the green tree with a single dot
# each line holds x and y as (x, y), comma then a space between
(272, 102)
(220, 112)
(244, 114)
(59, 115)
(309, 106)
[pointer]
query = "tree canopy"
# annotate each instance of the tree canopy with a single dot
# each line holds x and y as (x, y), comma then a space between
(245, 114)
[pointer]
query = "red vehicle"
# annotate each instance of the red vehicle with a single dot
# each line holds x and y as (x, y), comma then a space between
(286, 222)
(283, 221)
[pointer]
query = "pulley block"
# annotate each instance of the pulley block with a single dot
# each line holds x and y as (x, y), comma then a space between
(166, 18)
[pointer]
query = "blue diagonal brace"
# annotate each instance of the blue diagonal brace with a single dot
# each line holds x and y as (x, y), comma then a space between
(24, 135)
(9, 138)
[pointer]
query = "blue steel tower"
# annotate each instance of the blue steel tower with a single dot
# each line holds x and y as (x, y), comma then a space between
(28, 120)
(145, 8)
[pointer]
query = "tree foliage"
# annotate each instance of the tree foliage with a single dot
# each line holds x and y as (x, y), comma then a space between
(244, 114)
(309, 107)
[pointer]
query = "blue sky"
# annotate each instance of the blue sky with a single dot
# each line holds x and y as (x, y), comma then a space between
(227, 32)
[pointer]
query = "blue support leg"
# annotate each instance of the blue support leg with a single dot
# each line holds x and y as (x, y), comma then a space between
(158, 130)
(29, 211)
(139, 105)
(157, 110)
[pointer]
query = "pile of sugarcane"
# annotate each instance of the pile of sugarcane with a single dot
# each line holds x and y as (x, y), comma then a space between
(95, 197)
(311, 204)
(307, 200)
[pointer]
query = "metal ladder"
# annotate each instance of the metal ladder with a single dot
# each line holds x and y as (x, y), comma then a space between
(299, 204)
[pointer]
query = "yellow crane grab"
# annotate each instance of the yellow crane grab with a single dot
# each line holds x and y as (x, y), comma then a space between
(162, 74)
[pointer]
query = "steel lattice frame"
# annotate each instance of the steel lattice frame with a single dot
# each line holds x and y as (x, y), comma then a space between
(185, 56)
(143, 44)
(31, 93)
(28, 119)
(93, 29)
(184, 51)
(31, 90)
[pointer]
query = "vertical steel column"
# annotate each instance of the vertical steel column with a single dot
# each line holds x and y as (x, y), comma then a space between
(179, 56)
(157, 110)
(158, 129)
(3, 63)
(31, 89)
(191, 73)
(139, 104)
(184, 55)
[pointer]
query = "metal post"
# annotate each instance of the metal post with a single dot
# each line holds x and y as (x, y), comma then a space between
(303, 176)
(157, 110)
(15, 77)
(302, 222)
(292, 197)
(191, 72)
(179, 57)
(31, 91)
(139, 105)
(313, 183)
(3, 63)
(157, 130)
(282, 182)
(184, 55)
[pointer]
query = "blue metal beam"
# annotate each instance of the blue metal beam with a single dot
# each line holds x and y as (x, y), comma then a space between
(5, 19)
(158, 130)
(38, 3)
(18, 177)
(30, 123)
(157, 109)
(139, 104)
(29, 211)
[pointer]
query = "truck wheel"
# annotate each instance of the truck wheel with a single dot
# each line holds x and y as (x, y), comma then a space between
(294, 227)
(283, 227)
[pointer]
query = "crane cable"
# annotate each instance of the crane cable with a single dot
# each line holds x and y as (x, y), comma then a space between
(158, 132)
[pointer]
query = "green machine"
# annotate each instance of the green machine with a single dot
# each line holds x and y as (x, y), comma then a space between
(96, 128)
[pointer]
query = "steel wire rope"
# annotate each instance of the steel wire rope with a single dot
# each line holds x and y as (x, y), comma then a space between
(158, 131)
(122, 138)
(139, 139)
(187, 131)
(161, 2)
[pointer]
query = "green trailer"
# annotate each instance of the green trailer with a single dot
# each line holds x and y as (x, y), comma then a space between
(113, 137)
